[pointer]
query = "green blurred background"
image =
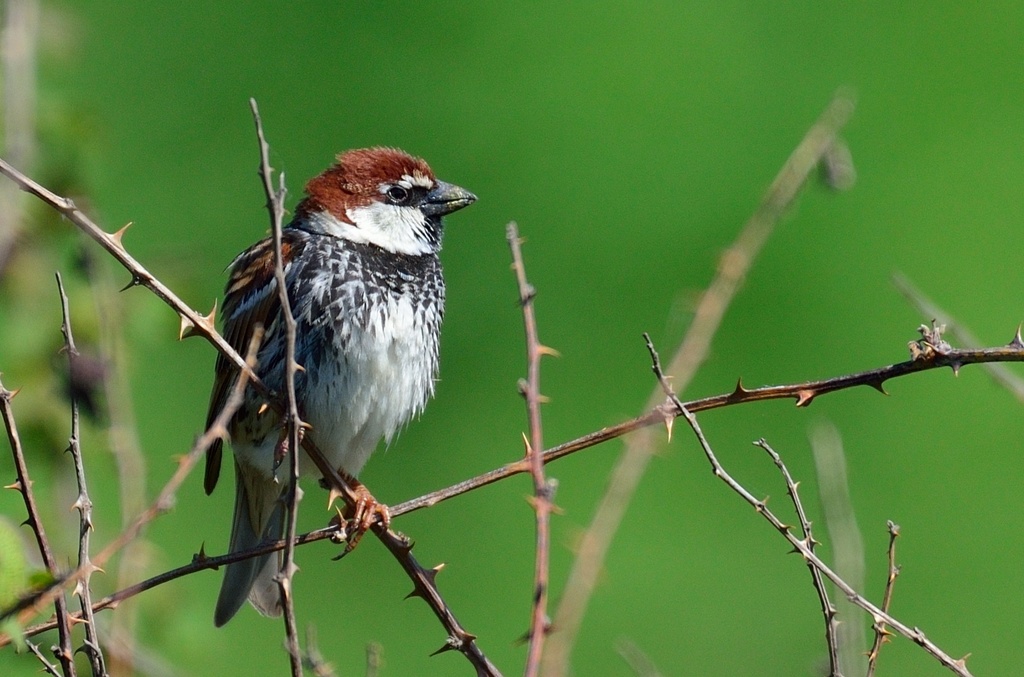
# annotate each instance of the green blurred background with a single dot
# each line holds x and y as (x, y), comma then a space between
(630, 141)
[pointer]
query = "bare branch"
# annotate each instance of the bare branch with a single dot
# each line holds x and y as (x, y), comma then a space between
(959, 666)
(542, 488)
(293, 423)
(64, 651)
(882, 633)
(83, 504)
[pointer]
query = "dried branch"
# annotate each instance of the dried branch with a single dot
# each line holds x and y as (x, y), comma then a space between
(292, 422)
(63, 652)
(882, 633)
(828, 610)
(83, 504)
(542, 488)
(804, 546)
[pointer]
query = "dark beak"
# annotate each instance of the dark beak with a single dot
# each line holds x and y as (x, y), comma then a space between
(445, 199)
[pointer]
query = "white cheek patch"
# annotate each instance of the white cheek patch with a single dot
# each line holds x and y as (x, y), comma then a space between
(401, 230)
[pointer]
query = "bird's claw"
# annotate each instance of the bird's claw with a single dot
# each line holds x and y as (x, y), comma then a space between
(368, 511)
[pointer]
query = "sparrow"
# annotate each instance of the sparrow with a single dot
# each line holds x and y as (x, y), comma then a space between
(366, 289)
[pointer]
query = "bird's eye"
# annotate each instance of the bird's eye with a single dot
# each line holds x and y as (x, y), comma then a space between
(397, 194)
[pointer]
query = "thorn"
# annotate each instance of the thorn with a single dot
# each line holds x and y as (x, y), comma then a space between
(669, 422)
(212, 317)
(432, 573)
(450, 644)
(548, 350)
(263, 408)
(955, 366)
(185, 328)
(804, 397)
(135, 282)
(526, 444)
(739, 392)
(1017, 341)
(11, 394)
(16, 485)
(415, 593)
(299, 368)
(879, 386)
(119, 235)
(333, 495)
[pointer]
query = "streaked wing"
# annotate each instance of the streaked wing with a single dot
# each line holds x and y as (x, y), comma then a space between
(250, 300)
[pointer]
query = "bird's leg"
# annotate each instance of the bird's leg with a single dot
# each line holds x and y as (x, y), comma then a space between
(281, 448)
(366, 512)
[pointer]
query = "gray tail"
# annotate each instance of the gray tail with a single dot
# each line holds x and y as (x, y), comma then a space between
(252, 578)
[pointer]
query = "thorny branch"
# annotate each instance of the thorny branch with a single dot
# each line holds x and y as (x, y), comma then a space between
(293, 423)
(83, 503)
(23, 485)
(194, 324)
(542, 487)
(160, 505)
(929, 352)
(804, 545)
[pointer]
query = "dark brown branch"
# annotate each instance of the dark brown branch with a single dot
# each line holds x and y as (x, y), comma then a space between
(542, 489)
(64, 651)
(828, 610)
(83, 503)
(803, 546)
(293, 423)
(882, 633)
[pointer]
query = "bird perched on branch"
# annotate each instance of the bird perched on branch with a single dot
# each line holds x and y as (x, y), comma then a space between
(366, 290)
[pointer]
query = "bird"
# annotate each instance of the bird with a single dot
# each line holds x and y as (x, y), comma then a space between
(366, 290)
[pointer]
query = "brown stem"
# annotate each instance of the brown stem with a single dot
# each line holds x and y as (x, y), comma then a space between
(542, 489)
(83, 503)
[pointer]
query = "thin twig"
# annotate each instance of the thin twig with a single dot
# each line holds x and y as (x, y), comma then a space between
(828, 610)
(275, 206)
(632, 463)
(48, 667)
(542, 489)
(83, 503)
(803, 546)
(63, 651)
(882, 633)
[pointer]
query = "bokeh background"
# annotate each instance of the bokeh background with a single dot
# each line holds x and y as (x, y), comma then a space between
(630, 142)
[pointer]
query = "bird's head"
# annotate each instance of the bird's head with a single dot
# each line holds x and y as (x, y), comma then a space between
(383, 197)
